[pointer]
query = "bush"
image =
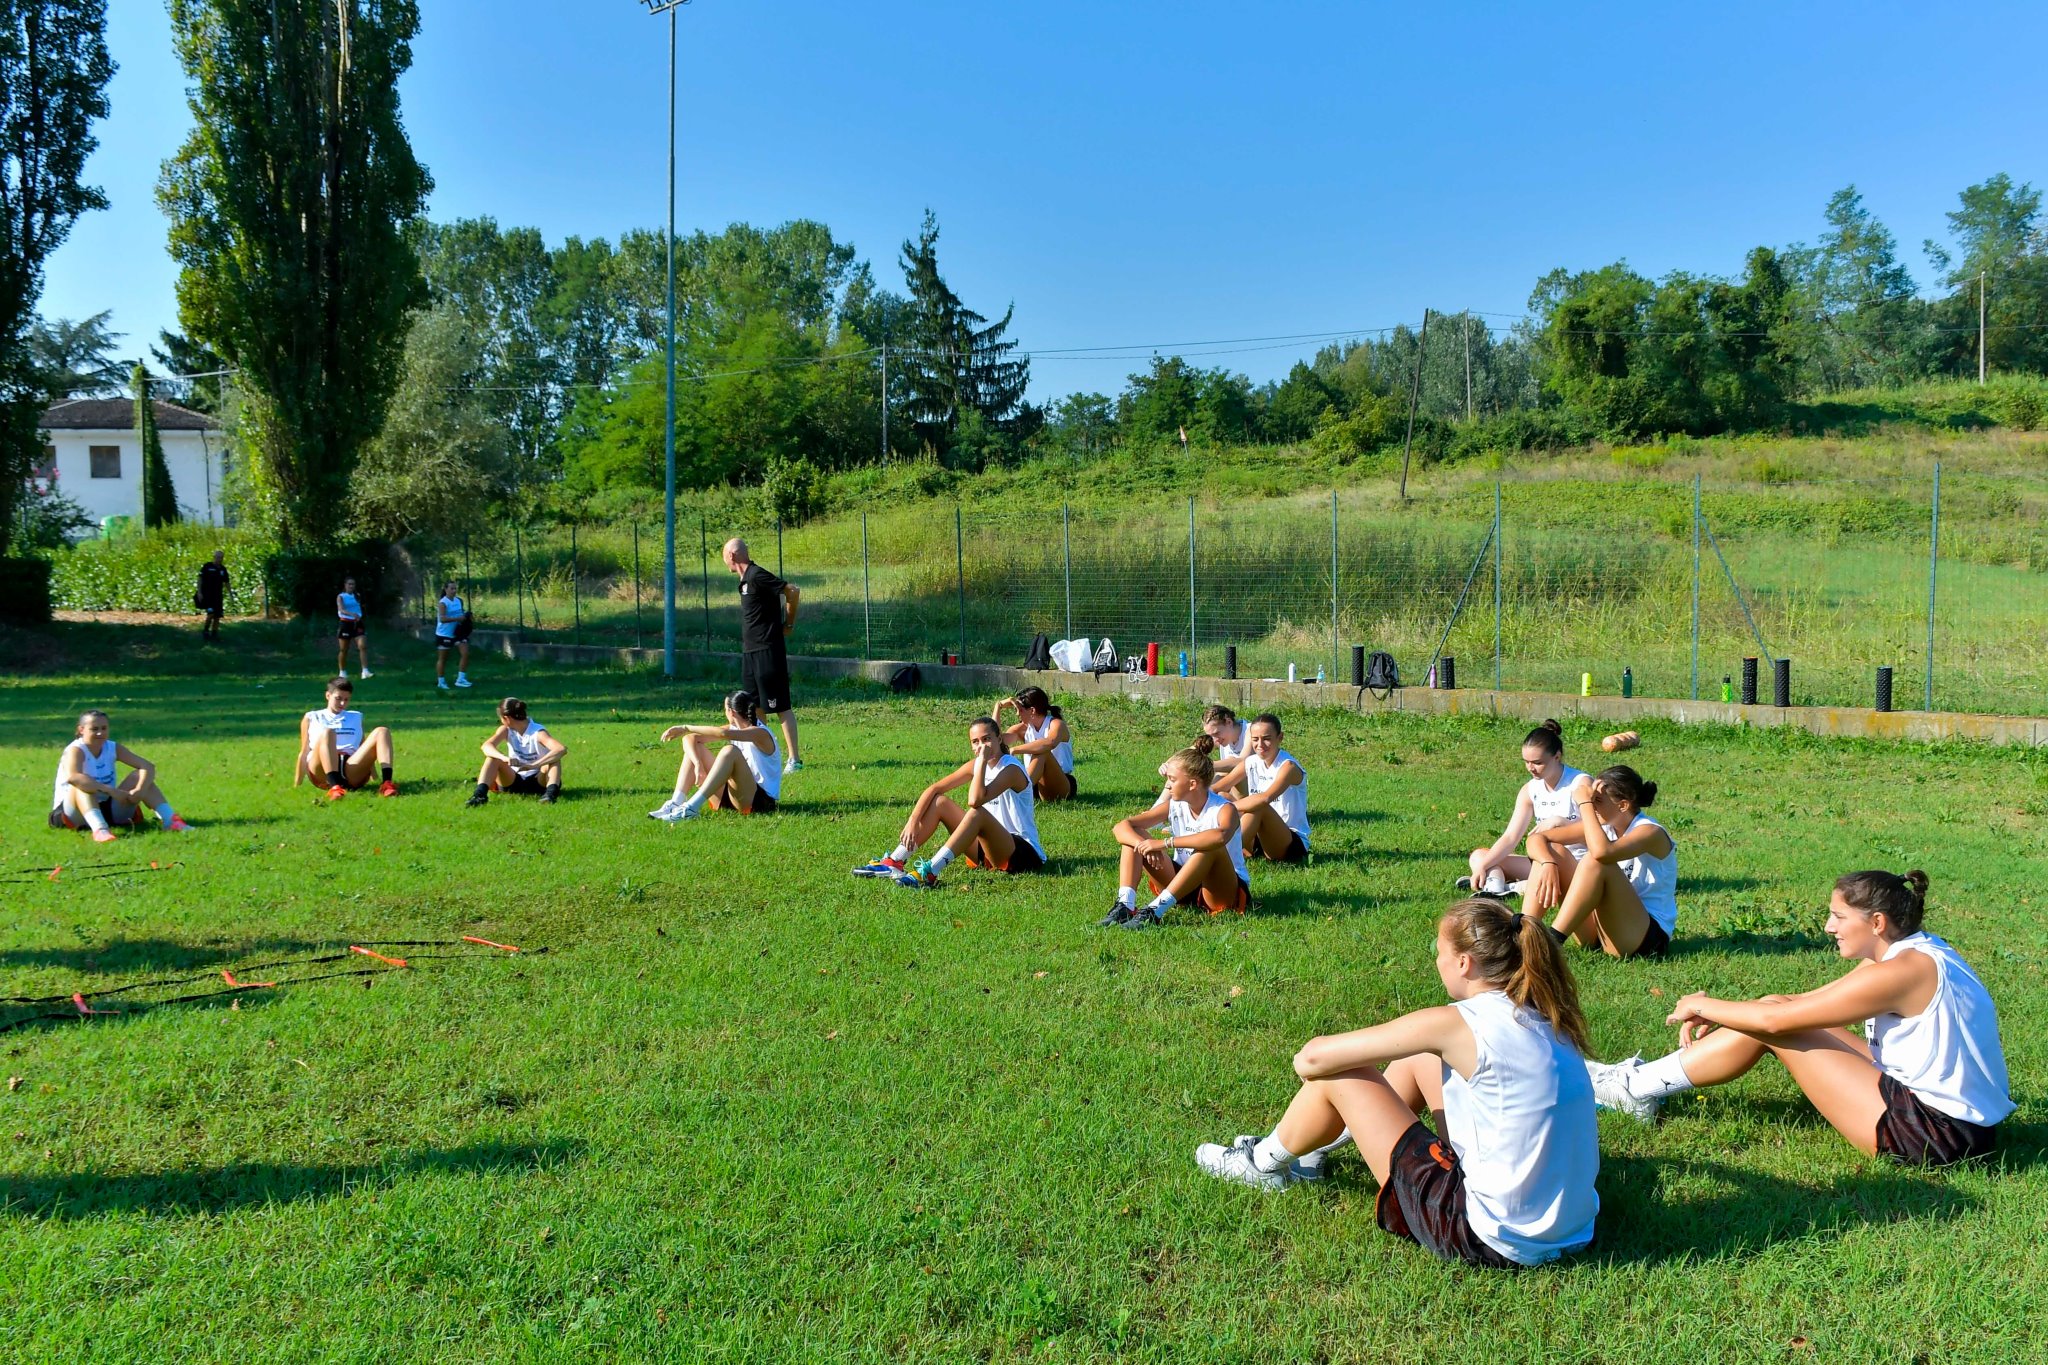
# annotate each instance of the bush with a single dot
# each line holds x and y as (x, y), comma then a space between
(25, 591)
(305, 584)
(792, 491)
(157, 570)
(2019, 403)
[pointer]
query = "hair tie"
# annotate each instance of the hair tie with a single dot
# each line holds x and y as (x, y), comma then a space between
(1516, 920)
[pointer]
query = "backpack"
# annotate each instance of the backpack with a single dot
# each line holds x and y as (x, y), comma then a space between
(1105, 660)
(905, 679)
(1382, 674)
(1038, 658)
(464, 624)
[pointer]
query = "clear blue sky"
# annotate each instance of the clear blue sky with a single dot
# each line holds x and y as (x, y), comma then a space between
(1146, 172)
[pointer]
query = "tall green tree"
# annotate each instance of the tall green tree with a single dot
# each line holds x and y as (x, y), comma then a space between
(955, 361)
(182, 356)
(54, 70)
(159, 496)
(76, 359)
(1855, 318)
(1996, 228)
(287, 206)
(443, 453)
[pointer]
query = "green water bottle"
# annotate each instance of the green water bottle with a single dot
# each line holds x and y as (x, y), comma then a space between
(1628, 682)
(1727, 688)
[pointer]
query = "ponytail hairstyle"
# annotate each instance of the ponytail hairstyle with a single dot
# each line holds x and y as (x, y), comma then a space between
(1194, 761)
(1034, 699)
(743, 705)
(1517, 954)
(1219, 715)
(511, 709)
(1205, 745)
(1547, 737)
(1901, 900)
(1002, 744)
(1626, 784)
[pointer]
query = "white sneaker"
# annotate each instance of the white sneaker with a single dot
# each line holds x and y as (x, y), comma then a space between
(1308, 1166)
(676, 814)
(441, 683)
(1611, 1089)
(1235, 1163)
(1496, 884)
(367, 675)
(462, 680)
(664, 810)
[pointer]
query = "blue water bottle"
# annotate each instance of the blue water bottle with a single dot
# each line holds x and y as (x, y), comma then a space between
(1183, 663)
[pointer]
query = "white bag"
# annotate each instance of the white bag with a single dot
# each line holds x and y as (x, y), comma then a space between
(1070, 656)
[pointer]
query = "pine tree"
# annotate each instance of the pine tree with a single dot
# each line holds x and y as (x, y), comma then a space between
(958, 361)
(159, 498)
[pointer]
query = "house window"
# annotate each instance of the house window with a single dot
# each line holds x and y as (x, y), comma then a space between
(106, 462)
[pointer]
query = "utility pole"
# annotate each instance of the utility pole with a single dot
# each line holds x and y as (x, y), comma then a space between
(1468, 365)
(885, 402)
(668, 596)
(1980, 327)
(1414, 395)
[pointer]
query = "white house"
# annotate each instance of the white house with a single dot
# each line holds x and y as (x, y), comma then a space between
(92, 447)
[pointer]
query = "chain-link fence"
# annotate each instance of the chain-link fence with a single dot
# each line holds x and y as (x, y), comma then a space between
(1662, 587)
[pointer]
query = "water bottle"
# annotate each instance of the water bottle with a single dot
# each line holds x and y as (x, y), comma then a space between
(1319, 675)
(1183, 663)
(1727, 688)
(1290, 672)
(1628, 682)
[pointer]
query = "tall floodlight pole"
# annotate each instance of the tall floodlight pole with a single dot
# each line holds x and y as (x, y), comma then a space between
(668, 595)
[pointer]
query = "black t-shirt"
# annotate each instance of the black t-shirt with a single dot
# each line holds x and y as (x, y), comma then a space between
(213, 583)
(761, 609)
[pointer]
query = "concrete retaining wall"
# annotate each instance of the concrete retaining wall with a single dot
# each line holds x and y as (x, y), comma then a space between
(1249, 696)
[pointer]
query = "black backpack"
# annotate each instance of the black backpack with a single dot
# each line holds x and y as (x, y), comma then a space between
(905, 679)
(1038, 658)
(1382, 674)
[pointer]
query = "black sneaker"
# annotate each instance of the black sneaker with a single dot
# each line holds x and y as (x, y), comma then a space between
(479, 799)
(1142, 919)
(547, 798)
(1118, 914)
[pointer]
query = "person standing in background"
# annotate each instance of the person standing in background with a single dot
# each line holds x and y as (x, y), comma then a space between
(348, 612)
(212, 596)
(767, 615)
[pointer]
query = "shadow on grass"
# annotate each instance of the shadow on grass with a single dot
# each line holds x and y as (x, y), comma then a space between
(223, 1189)
(1749, 945)
(150, 954)
(1739, 1212)
(1698, 885)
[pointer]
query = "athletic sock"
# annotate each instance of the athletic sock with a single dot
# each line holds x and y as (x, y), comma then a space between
(902, 854)
(166, 814)
(1161, 903)
(1269, 1155)
(94, 819)
(1655, 1080)
(483, 789)
(386, 770)
(940, 859)
(334, 779)
(691, 804)
(1333, 1144)
(1127, 897)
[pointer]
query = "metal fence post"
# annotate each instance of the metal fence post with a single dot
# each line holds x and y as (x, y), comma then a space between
(1496, 559)
(960, 572)
(1333, 582)
(575, 586)
(704, 564)
(867, 615)
(1192, 666)
(1067, 559)
(1933, 568)
(1695, 587)
(639, 637)
(519, 579)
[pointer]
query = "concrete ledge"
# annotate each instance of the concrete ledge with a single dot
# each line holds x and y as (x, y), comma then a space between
(1247, 696)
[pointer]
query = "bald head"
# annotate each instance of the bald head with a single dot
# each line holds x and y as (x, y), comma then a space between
(735, 555)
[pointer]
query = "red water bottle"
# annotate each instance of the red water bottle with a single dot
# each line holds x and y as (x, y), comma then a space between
(1152, 659)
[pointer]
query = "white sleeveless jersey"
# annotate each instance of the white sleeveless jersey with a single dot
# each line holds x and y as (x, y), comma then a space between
(347, 728)
(1180, 820)
(1554, 805)
(1524, 1131)
(1063, 752)
(1014, 811)
(348, 607)
(1655, 879)
(1949, 1054)
(1291, 805)
(452, 606)
(529, 755)
(99, 767)
(1228, 754)
(763, 764)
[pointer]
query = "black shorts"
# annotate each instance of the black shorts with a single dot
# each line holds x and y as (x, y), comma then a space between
(62, 816)
(526, 784)
(765, 674)
(445, 641)
(1424, 1201)
(1023, 858)
(763, 803)
(1295, 852)
(1656, 943)
(1913, 1133)
(348, 630)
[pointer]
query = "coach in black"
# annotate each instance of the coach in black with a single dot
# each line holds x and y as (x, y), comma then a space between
(767, 615)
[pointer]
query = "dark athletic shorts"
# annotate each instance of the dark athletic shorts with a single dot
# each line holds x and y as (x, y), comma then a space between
(1914, 1133)
(348, 630)
(1024, 859)
(445, 641)
(526, 784)
(1655, 942)
(62, 816)
(765, 673)
(1424, 1201)
(763, 803)
(1296, 851)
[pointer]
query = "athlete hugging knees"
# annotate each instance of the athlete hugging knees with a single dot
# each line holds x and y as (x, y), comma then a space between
(1199, 854)
(87, 795)
(332, 745)
(529, 764)
(743, 776)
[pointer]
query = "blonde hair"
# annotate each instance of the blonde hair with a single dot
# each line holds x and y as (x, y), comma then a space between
(1517, 953)
(1194, 762)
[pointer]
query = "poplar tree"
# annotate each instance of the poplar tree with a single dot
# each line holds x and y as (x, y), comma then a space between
(287, 206)
(159, 498)
(54, 70)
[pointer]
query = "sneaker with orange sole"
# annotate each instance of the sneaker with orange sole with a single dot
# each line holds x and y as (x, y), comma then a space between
(388, 789)
(178, 825)
(336, 793)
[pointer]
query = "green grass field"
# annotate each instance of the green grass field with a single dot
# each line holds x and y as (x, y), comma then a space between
(744, 1107)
